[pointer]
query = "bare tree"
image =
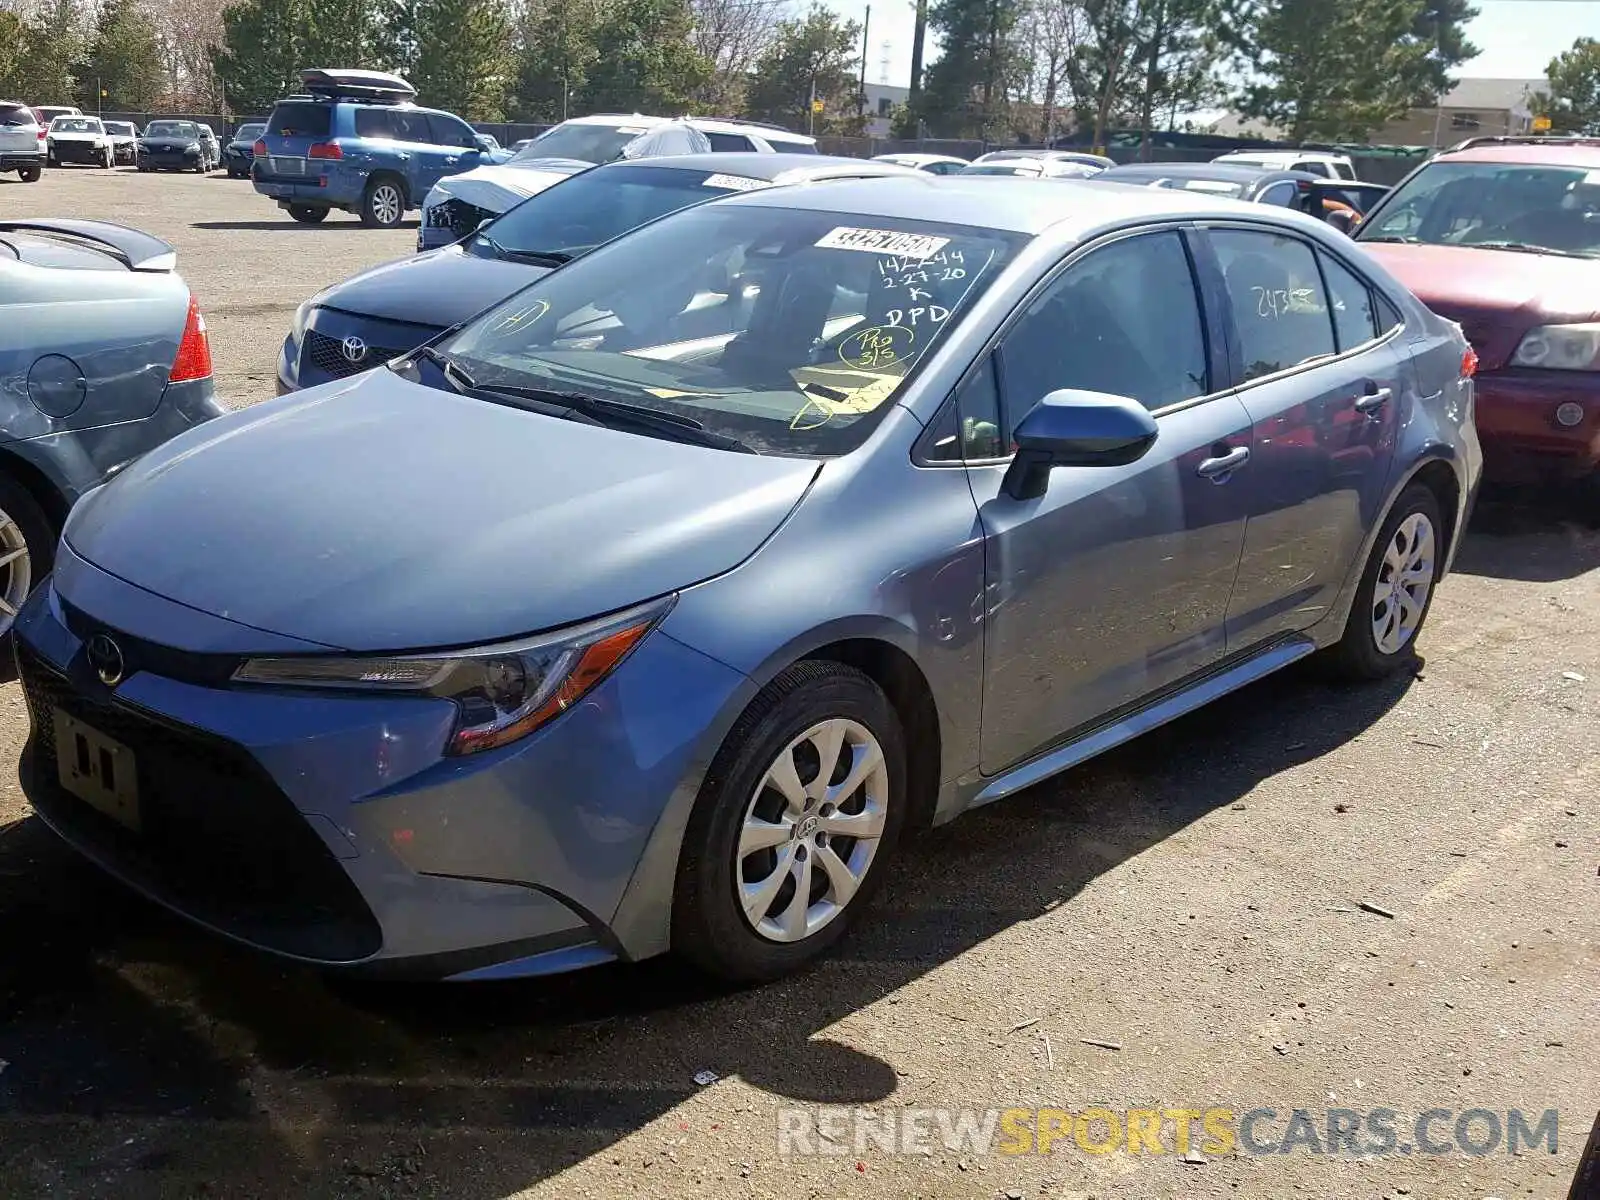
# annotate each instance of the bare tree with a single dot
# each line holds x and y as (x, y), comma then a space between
(732, 35)
(188, 31)
(1057, 30)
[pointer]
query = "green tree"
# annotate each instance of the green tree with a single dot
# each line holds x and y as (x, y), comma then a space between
(1573, 100)
(125, 59)
(646, 63)
(1327, 71)
(1441, 30)
(261, 53)
(817, 54)
(555, 51)
(52, 44)
(342, 33)
(12, 34)
(965, 91)
(464, 58)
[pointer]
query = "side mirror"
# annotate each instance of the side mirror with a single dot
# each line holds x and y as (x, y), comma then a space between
(1343, 221)
(1076, 429)
(484, 144)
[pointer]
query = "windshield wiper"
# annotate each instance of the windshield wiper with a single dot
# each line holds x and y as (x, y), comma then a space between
(541, 258)
(593, 410)
(454, 373)
(1389, 237)
(1525, 248)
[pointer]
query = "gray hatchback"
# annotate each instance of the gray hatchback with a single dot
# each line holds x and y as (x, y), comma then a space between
(103, 355)
(651, 607)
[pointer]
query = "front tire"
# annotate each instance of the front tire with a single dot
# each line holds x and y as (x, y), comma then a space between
(383, 204)
(1396, 590)
(27, 550)
(794, 825)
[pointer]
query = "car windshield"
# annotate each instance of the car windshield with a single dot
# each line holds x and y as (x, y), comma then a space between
(248, 133)
(120, 128)
(788, 329)
(173, 129)
(1496, 206)
(75, 125)
(1211, 187)
(586, 143)
(580, 213)
(1017, 167)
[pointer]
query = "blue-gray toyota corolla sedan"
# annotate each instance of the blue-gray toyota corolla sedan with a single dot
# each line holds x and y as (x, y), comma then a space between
(653, 608)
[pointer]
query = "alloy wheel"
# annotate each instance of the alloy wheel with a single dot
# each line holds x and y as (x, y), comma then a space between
(1400, 594)
(386, 203)
(811, 830)
(16, 570)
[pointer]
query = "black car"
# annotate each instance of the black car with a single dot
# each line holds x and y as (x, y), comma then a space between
(1340, 202)
(172, 146)
(391, 309)
(238, 154)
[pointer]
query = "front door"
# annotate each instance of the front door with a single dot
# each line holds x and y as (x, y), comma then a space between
(1324, 392)
(1115, 583)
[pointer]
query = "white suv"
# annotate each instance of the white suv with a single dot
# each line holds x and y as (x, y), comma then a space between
(1329, 166)
(22, 141)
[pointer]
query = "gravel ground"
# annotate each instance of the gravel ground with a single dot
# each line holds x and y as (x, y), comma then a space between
(1193, 900)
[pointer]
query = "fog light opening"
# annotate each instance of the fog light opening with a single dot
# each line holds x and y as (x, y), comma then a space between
(1569, 414)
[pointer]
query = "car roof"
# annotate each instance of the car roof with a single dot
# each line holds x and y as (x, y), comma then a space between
(791, 168)
(1222, 172)
(1308, 155)
(996, 202)
(1550, 152)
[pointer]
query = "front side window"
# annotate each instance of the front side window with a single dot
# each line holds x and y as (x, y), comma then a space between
(1280, 309)
(1279, 193)
(1494, 206)
(1124, 320)
(968, 429)
(447, 131)
(817, 320)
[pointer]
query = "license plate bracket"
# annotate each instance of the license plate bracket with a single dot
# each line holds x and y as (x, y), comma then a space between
(97, 769)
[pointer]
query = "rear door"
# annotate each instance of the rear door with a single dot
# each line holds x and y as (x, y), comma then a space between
(1322, 379)
(19, 132)
(294, 127)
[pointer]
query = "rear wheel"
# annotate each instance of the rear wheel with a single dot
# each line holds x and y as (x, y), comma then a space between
(30, 174)
(27, 549)
(308, 214)
(1395, 591)
(793, 827)
(383, 204)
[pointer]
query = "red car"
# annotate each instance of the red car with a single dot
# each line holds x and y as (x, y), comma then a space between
(1502, 236)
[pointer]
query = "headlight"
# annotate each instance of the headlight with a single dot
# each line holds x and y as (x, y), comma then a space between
(1560, 348)
(502, 692)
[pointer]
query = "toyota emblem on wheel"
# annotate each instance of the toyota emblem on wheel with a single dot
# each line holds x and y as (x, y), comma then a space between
(353, 348)
(105, 656)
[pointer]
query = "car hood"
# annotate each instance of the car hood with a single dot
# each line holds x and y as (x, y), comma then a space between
(169, 143)
(1495, 295)
(436, 289)
(496, 189)
(380, 514)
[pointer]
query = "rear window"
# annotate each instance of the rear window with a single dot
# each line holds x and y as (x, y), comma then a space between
(728, 143)
(586, 143)
(785, 147)
(301, 118)
(13, 115)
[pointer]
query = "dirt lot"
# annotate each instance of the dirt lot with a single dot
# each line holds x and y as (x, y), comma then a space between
(1192, 900)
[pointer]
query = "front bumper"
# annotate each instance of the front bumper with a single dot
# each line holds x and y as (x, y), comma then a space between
(447, 222)
(77, 152)
(165, 160)
(324, 353)
(327, 828)
(1522, 439)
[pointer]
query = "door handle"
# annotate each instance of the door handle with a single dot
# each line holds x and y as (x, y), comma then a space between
(1213, 468)
(1373, 400)
(403, 156)
(451, 161)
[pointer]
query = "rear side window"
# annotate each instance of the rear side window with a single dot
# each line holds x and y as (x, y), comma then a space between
(409, 126)
(374, 123)
(1315, 168)
(1355, 319)
(729, 143)
(1280, 308)
(1278, 193)
(300, 118)
(1344, 171)
(14, 115)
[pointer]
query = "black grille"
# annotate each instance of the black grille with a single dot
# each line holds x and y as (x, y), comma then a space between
(217, 838)
(207, 670)
(328, 356)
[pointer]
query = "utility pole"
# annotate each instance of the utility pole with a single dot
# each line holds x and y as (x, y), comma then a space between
(811, 108)
(861, 96)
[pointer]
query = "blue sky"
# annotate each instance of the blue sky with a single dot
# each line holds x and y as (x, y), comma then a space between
(1517, 37)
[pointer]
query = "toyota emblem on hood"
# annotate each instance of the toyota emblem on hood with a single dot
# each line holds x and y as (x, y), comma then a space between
(105, 656)
(353, 348)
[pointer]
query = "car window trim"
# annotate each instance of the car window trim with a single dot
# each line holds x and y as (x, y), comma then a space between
(1203, 228)
(1218, 366)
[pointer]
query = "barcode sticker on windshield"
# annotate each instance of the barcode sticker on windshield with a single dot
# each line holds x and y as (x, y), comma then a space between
(734, 183)
(883, 241)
